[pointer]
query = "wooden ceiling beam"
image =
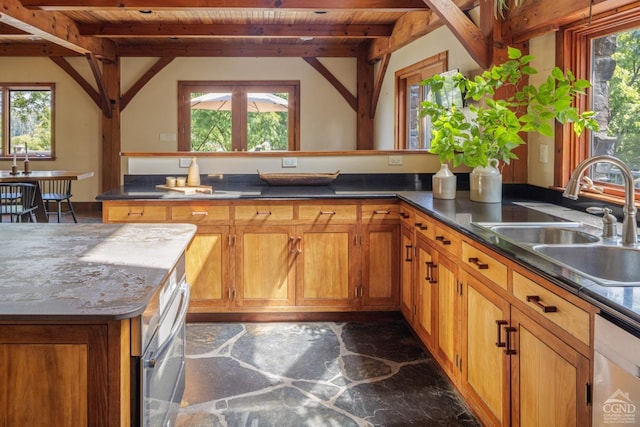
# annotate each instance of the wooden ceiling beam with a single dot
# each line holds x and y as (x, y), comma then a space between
(472, 38)
(55, 28)
(321, 5)
(159, 30)
(239, 50)
(320, 68)
(31, 49)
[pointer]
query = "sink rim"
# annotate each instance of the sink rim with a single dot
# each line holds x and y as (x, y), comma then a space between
(603, 281)
(576, 227)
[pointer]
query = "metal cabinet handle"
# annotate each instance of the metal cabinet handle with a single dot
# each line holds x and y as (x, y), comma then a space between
(500, 324)
(545, 308)
(407, 257)
(443, 240)
(404, 215)
(263, 213)
(292, 246)
(421, 226)
(199, 213)
(385, 212)
(480, 265)
(299, 244)
(508, 350)
(430, 276)
(130, 213)
(327, 212)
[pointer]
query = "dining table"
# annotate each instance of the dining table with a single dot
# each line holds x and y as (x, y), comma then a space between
(36, 176)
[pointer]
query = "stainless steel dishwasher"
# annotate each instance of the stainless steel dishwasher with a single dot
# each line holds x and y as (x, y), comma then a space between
(616, 375)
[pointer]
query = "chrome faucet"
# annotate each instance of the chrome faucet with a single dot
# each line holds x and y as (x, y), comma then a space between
(629, 226)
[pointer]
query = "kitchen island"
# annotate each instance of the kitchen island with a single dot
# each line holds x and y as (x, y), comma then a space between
(72, 312)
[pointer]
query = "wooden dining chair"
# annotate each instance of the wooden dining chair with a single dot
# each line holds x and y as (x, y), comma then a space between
(57, 191)
(18, 200)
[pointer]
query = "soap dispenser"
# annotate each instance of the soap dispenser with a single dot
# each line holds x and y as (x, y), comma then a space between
(193, 177)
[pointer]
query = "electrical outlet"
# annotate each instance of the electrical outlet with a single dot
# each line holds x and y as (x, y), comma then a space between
(544, 153)
(168, 137)
(289, 162)
(185, 162)
(396, 161)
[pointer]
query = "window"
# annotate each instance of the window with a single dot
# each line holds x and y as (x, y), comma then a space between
(26, 116)
(412, 131)
(606, 53)
(238, 116)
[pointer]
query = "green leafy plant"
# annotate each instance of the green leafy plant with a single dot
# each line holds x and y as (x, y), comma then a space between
(491, 127)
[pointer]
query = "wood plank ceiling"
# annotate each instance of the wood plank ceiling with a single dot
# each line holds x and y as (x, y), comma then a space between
(233, 28)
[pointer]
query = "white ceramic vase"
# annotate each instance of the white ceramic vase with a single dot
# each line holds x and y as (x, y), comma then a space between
(443, 183)
(486, 183)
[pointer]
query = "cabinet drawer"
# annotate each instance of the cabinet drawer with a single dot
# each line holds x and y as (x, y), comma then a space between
(136, 213)
(328, 213)
(485, 264)
(378, 212)
(260, 213)
(425, 226)
(446, 240)
(200, 213)
(569, 317)
(407, 215)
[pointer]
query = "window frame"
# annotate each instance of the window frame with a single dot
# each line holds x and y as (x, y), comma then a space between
(574, 53)
(419, 71)
(5, 135)
(239, 114)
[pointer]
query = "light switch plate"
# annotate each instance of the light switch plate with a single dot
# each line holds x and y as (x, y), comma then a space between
(396, 161)
(289, 162)
(185, 162)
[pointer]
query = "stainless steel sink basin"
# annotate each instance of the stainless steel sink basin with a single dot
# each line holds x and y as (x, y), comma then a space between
(607, 265)
(549, 233)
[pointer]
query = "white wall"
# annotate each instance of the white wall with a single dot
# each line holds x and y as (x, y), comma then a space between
(77, 120)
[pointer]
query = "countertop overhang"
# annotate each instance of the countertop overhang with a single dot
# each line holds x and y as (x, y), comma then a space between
(85, 271)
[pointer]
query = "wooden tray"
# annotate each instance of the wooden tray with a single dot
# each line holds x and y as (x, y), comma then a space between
(205, 189)
(298, 178)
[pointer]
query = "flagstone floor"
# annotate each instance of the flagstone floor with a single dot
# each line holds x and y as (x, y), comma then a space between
(314, 374)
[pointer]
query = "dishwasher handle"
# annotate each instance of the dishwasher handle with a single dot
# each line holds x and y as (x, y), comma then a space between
(156, 357)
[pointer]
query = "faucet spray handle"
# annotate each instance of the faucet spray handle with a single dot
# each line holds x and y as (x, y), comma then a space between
(609, 222)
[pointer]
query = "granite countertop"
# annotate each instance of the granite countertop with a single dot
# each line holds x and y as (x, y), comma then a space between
(87, 271)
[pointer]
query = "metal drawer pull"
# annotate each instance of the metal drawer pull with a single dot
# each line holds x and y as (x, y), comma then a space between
(480, 265)
(443, 240)
(299, 244)
(135, 213)
(263, 212)
(421, 226)
(201, 213)
(508, 350)
(500, 324)
(404, 215)
(292, 246)
(407, 257)
(377, 212)
(545, 308)
(327, 212)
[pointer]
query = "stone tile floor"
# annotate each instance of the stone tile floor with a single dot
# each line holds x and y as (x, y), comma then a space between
(314, 374)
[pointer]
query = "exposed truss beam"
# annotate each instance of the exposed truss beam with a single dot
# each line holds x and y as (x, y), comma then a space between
(53, 27)
(131, 30)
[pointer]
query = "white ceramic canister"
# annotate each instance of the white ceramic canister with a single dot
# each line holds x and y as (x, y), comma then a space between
(443, 183)
(486, 183)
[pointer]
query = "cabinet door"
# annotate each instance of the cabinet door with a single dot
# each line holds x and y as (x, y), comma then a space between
(485, 363)
(406, 273)
(208, 269)
(425, 293)
(448, 297)
(54, 375)
(326, 265)
(265, 272)
(549, 378)
(380, 265)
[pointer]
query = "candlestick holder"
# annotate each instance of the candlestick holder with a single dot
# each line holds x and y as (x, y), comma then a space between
(14, 170)
(27, 171)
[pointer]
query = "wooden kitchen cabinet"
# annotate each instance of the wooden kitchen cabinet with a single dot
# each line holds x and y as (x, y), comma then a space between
(425, 293)
(73, 373)
(407, 256)
(265, 266)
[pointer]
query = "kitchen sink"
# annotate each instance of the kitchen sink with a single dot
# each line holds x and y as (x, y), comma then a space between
(549, 233)
(607, 265)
